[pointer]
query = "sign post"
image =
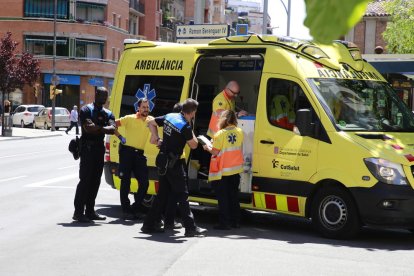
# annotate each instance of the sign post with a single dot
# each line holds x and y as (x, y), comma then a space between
(200, 34)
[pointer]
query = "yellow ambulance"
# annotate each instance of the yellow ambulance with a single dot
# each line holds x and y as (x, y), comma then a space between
(344, 160)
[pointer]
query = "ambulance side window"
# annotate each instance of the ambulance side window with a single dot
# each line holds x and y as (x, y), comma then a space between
(284, 98)
(163, 92)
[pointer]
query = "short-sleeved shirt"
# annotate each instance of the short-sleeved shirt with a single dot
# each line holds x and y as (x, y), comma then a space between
(136, 130)
(223, 102)
(100, 117)
(177, 131)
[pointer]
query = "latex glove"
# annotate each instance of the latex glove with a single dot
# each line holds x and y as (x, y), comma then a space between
(122, 139)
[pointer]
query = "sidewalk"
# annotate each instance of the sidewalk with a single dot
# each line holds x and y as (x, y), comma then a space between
(29, 133)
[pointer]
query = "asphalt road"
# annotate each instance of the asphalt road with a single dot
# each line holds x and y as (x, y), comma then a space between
(38, 178)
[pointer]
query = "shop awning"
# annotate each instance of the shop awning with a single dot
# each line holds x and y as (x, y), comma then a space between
(392, 63)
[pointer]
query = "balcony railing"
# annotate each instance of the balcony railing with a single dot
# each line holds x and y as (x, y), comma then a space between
(136, 5)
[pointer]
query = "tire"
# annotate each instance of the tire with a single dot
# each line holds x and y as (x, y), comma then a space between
(22, 124)
(56, 128)
(45, 126)
(334, 214)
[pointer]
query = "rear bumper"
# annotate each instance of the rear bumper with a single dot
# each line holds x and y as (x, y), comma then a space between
(386, 205)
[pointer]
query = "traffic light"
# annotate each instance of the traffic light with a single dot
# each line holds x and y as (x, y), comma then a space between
(54, 91)
(36, 91)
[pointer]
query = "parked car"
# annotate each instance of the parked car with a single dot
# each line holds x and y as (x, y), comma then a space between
(23, 115)
(44, 118)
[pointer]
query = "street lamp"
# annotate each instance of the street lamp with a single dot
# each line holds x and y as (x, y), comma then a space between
(287, 10)
(54, 77)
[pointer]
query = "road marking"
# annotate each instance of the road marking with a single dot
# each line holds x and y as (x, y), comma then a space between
(71, 187)
(53, 180)
(67, 167)
(26, 154)
(12, 178)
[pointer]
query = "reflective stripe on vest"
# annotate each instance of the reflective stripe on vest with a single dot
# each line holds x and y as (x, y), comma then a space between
(213, 126)
(230, 161)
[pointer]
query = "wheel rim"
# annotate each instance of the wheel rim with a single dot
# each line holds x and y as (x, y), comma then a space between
(333, 212)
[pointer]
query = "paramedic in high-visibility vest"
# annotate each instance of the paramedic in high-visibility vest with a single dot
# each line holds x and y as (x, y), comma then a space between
(224, 101)
(225, 167)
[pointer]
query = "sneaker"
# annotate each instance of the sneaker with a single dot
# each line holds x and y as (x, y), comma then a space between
(81, 218)
(196, 232)
(171, 226)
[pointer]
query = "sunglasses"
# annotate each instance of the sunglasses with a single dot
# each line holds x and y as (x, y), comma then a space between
(233, 91)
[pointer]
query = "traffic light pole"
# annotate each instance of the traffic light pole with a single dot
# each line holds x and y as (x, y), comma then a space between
(54, 79)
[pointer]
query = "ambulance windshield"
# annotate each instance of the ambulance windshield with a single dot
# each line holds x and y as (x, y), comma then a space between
(362, 105)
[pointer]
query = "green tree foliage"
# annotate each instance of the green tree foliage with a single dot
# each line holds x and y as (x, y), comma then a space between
(328, 20)
(399, 33)
(15, 71)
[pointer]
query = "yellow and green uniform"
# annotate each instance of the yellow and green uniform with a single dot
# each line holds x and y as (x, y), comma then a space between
(136, 130)
(229, 160)
(220, 103)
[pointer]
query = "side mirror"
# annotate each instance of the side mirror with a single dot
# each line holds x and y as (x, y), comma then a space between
(303, 122)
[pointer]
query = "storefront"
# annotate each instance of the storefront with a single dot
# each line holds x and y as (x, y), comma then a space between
(399, 71)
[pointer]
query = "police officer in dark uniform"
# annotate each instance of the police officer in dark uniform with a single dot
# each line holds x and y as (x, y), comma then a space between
(96, 121)
(177, 133)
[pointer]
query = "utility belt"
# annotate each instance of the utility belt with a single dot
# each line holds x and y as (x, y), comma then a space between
(165, 161)
(91, 142)
(128, 148)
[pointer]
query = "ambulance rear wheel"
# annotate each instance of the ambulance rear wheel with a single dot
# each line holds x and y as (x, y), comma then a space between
(334, 214)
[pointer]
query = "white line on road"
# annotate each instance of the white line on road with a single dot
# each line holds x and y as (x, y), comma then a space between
(26, 154)
(67, 167)
(71, 187)
(12, 178)
(53, 180)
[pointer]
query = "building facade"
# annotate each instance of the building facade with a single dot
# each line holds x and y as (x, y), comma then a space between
(89, 42)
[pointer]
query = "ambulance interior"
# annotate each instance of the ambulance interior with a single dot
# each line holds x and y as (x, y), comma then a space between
(212, 74)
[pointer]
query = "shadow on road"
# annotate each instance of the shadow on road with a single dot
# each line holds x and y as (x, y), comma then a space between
(262, 225)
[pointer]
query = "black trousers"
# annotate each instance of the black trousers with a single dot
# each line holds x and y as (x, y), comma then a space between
(174, 183)
(73, 124)
(132, 160)
(90, 173)
(227, 191)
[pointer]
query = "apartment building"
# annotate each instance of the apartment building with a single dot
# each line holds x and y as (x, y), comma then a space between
(89, 42)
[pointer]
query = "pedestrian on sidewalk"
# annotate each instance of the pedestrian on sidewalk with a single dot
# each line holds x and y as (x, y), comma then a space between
(73, 120)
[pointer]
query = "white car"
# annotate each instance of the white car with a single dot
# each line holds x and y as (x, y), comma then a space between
(44, 118)
(23, 115)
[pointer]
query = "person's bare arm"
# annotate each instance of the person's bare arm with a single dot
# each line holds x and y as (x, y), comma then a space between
(193, 143)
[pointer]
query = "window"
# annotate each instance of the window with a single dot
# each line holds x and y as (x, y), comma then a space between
(90, 12)
(284, 98)
(43, 45)
(45, 8)
(89, 49)
(162, 91)
(114, 19)
(113, 53)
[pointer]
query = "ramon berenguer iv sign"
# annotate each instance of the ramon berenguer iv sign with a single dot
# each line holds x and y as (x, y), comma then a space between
(192, 34)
